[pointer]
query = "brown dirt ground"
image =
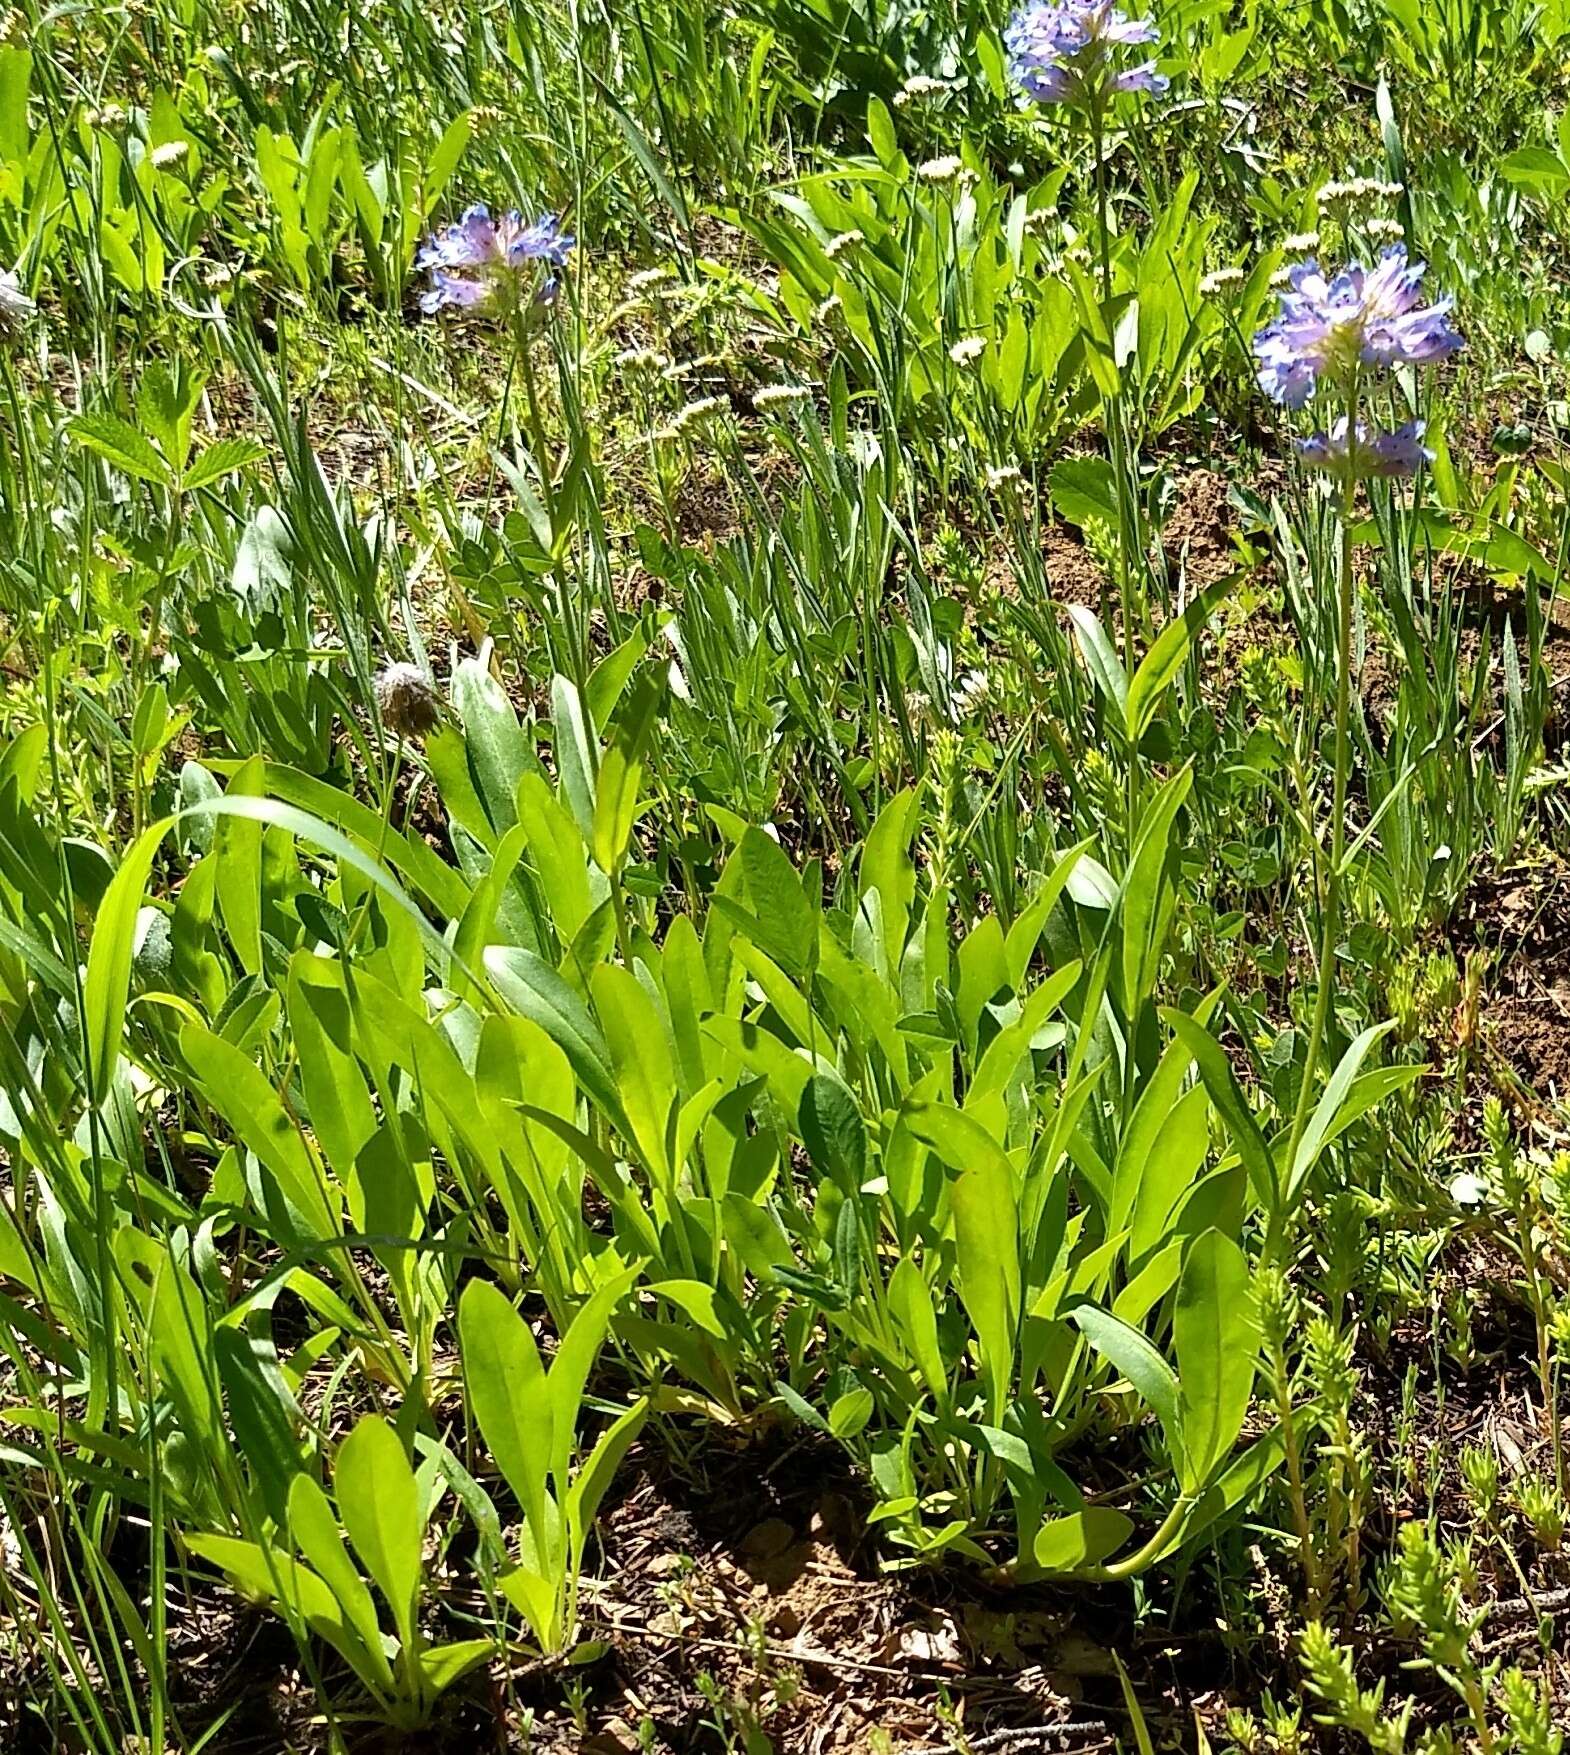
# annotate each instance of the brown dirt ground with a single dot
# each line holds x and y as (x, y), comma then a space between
(1522, 919)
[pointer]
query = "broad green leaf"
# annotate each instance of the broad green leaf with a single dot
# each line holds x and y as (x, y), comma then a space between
(833, 1132)
(1216, 1340)
(121, 444)
(640, 1062)
(1227, 1095)
(1332, 1100)
(1148, 893)
(379, 1503)
(108, 980)
(317, 1536)
(1105, 667)
(986, 1238)
(1086, 1538)
(505, 1382)
(621, 774)
(1132, 1354)
(242, 1093)
(569, 1371)
(223, 457)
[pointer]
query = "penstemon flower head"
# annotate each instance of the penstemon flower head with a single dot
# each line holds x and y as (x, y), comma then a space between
(1362, 318)
(1371, 451)
(485, 264)
(1067, 51)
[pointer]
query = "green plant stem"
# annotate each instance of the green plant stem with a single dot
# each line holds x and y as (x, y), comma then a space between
(1472, 1690)
(1292, 1450)
(1330, 901)
(1151, 1552)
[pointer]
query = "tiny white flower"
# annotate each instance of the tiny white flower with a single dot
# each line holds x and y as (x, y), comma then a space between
(648, 277)
(941, 170)
(1221, 280)
(170, 153)
(694, 414)
(971, 348)
(1386, 231)
(781, 396)
(830, 308)
(1004, 477)
(920, 85)
(843, 244)
(678, 369)
(642, 359)
(1301, 243)
(970, 693)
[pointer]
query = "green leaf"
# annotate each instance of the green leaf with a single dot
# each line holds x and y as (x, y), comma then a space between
(833, 1132)
(1536, 167)
(1084, 491)
(1159, 667)
(1327, 1112)
(1227, 1095)
(986, 1242)
(574, 1360)
(1133, 1355)
(780, 917)
(880, 131)
(589, 1488)
(505, 1382)
(269, 1576)
(1105, 667)
(443, 1665)
(317, 1536)
(640, 1062)
(621, 774)
(1216, 1340)
(1084, 1539)
(108, 981)
(379, 1502)
(534, 990)
(1148, 894)
(121, 444)
(445, 156)
(575, 754)
(242, 1093)
(223, 457)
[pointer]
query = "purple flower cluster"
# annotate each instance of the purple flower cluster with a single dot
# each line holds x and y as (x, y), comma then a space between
(1062, 51)
(1363, 317)
(1371, 451)
(1328, 333)
(482, 261)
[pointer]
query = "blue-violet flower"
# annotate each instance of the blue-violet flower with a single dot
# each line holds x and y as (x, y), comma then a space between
(1371, 451)
(1062, 51)
(1363, 317)
(481, 262)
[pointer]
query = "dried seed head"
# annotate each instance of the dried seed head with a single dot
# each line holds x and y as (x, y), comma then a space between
(408, 704)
